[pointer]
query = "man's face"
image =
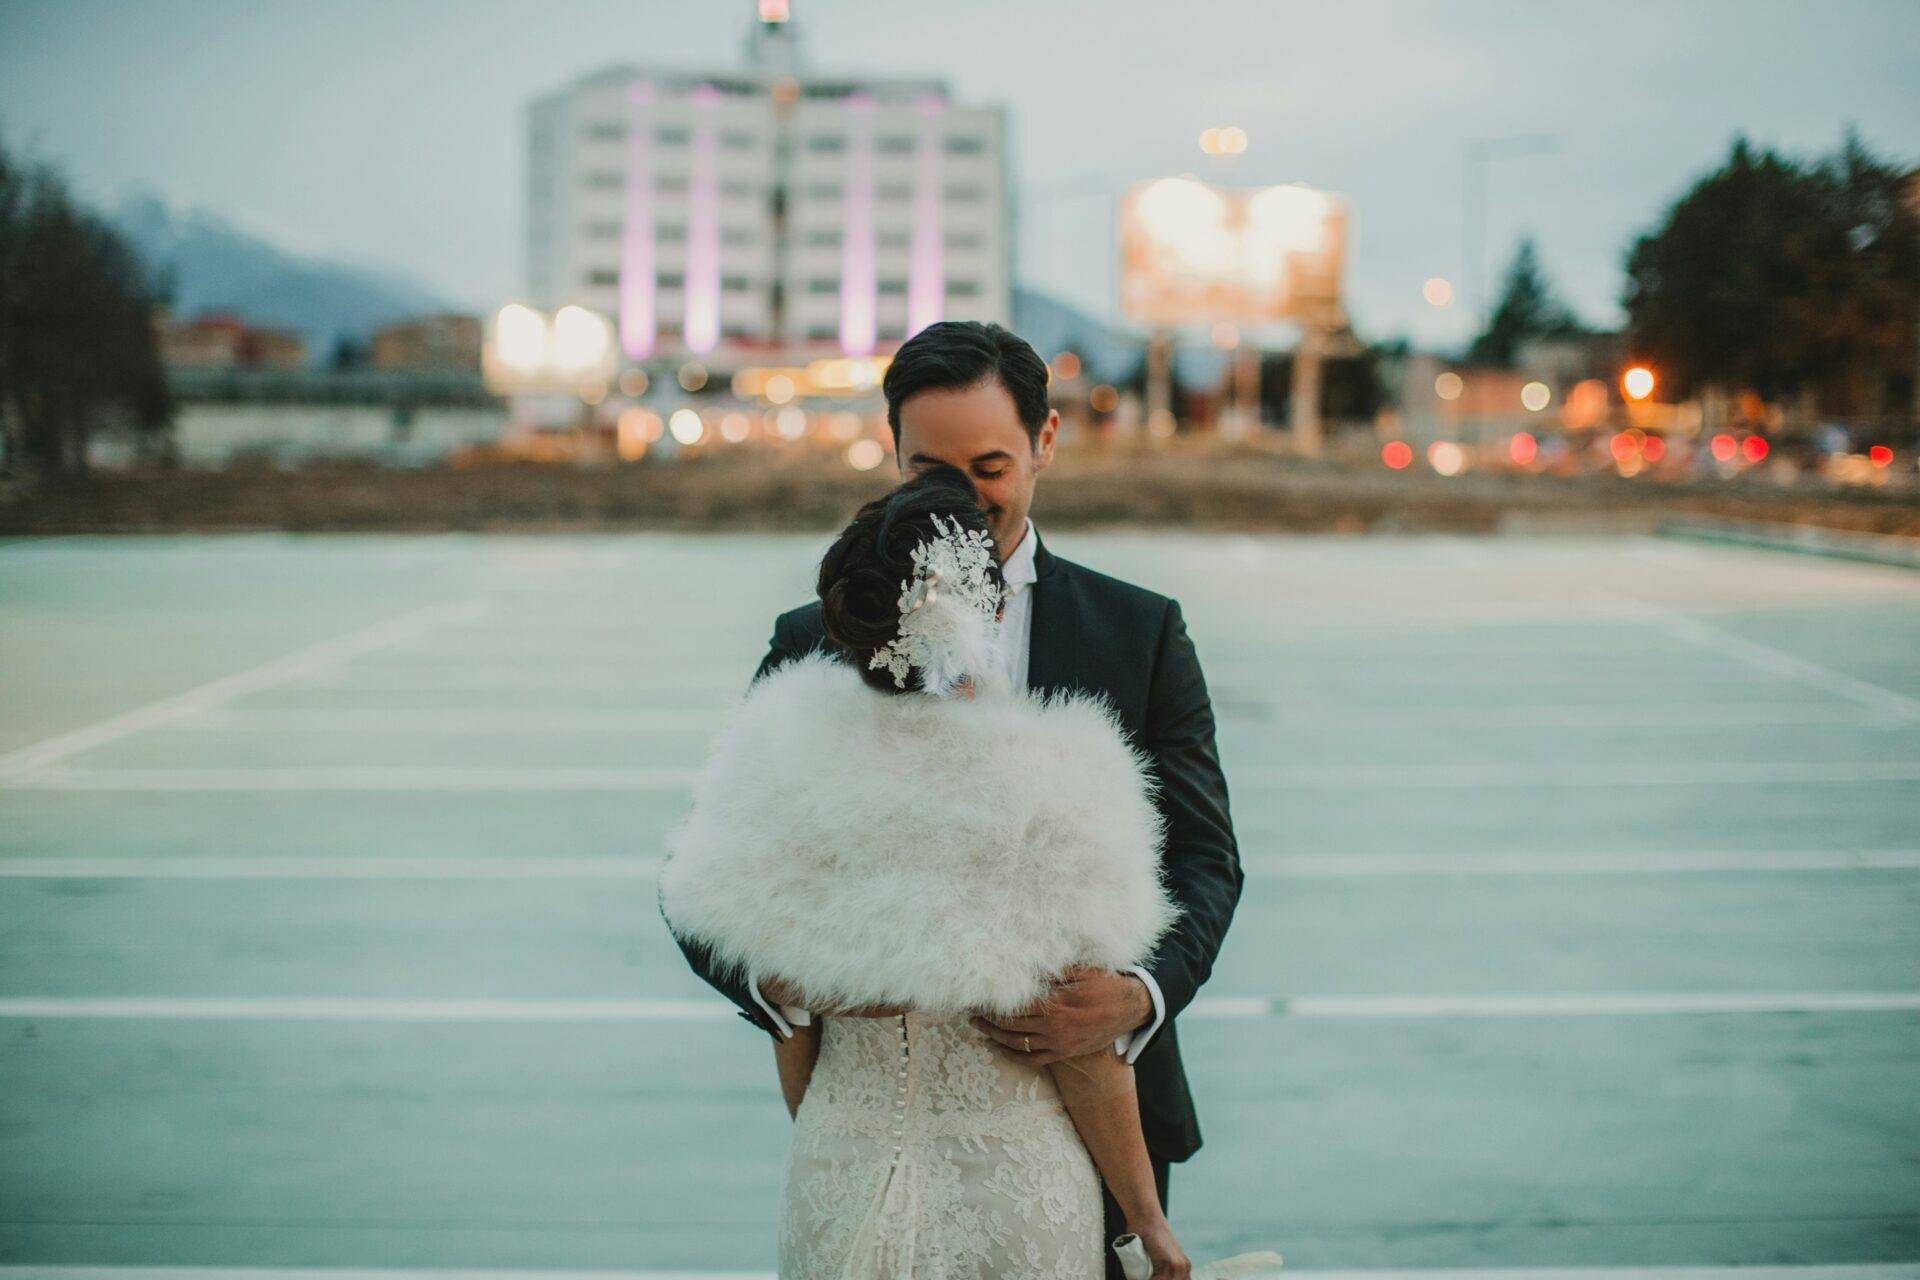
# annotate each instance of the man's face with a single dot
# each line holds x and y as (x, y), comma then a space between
(977, 430)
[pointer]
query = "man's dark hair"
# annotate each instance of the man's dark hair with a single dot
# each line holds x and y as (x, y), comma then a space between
(952, 355)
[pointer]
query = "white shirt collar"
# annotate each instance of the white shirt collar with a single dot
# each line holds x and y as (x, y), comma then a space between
(1019, 569)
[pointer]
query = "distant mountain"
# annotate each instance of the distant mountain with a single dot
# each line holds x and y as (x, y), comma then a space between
(1052, 326)
(1109, 353)
(208, 264)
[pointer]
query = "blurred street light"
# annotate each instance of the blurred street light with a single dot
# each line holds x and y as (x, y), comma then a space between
(1637, 382)
(1438, 291)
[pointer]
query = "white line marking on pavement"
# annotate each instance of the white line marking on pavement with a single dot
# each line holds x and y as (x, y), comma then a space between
(192, 702)
(330, 1009)
(1314, 866)
(1353, 777)
(634, 720)
(1264, 866)
(353, 778)
(338, 868)
(1762, 657)
(1863, 1271)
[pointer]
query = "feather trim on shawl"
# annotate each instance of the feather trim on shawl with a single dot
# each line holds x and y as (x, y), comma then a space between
(949, 854)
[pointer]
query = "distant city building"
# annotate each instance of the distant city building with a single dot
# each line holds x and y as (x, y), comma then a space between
(221, 341)
(737, 213)
(439, 344)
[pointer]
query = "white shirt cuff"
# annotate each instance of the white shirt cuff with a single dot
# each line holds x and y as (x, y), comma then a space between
(786, 1018)
(1130, 1045)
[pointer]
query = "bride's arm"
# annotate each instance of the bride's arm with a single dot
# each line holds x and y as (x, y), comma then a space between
(795, 1057)
(1099, 1094)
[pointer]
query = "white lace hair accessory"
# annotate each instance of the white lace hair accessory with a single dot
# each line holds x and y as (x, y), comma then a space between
(948, 614)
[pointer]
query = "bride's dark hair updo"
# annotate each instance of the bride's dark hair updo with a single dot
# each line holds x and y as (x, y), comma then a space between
(861, 573)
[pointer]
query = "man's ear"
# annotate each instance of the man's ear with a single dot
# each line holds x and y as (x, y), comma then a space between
(1044, 439)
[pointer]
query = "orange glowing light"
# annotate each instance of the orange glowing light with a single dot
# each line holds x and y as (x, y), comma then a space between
(1396, 453)
(1724, 447)
(1637, 382)
(1624, 445)
(1653, 448)
(1066, 365)
(1753, 448)
(1523, 448)
(1103, 399)
(1880, 455)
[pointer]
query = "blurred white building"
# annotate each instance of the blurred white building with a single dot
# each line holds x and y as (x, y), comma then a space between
(733, 215)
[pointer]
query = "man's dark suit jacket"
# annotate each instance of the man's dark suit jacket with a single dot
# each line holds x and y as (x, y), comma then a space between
(1099, 634)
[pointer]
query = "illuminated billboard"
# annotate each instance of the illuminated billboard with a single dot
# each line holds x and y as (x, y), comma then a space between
(1193, 253)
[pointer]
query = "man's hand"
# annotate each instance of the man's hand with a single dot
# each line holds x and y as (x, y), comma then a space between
(1087, 1010)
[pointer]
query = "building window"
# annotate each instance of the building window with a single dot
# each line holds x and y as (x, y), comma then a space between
(895, 144)
(736, 187)
(672, 280)
(736, 140)
(736, 236)
(602, 180)
(603, 231)
(826, 143)
(892, 239)
(963, 240)
(893, 286)
(817, 332)
(962, 144)
(824, 238)
(965, 193)
(823, 284)
(670, 183)
(963, 288)
(670, 232)
(824, 190)
(735, 284)
(605, 131)
(672, 136)
(895, 192)
(602, 278)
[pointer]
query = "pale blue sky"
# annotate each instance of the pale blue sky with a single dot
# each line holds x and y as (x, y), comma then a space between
(390, 132)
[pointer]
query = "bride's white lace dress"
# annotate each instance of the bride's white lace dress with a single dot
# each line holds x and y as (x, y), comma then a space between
(921, 1150)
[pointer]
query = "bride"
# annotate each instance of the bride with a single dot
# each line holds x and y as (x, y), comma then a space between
(894, 829)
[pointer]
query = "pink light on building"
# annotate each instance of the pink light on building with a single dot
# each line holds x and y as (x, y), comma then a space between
(639, 318)
(859, 282)
(703, 227)
(926, 269)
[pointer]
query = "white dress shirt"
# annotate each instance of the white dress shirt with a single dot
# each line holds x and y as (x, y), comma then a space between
(1016, 632)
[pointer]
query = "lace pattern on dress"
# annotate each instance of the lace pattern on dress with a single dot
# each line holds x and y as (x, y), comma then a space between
(921, 1150)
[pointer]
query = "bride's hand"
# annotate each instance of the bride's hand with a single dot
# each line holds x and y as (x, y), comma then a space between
(1169, 1260)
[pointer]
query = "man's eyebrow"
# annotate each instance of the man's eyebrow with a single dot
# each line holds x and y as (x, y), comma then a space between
(998, 455)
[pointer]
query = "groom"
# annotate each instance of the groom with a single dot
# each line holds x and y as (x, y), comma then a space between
(975, 396)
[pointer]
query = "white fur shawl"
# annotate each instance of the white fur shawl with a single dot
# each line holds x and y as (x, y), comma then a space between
(950, 854)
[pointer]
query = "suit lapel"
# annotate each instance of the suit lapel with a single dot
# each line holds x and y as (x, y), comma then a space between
(1055, 637)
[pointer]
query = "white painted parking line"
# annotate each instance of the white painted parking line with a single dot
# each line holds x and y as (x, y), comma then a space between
(290, 720)
(192, 702)
(1862, 1271)
(1352, 777)
(1302, 866)
(333, 1009)
(1761, 657)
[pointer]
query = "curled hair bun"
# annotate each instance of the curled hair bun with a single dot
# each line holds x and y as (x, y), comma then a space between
(862, 572)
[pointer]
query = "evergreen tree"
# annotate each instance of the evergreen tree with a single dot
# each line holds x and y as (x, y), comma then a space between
(1527, 309)
(1776, 275)
(77, 345)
